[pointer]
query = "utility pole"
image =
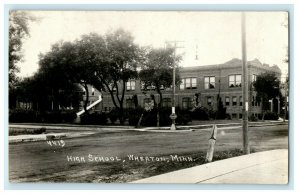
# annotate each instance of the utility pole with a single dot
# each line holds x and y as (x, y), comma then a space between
(246, 148)
(173, 115)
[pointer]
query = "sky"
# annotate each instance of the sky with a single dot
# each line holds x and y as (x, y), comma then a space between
(215, 37)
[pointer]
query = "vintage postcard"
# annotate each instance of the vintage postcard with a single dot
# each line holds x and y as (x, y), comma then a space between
(148, 97)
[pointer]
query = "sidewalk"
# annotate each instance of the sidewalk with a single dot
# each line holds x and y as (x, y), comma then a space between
(119, 127)
(48, 136)
(269, 167)
(58, 131)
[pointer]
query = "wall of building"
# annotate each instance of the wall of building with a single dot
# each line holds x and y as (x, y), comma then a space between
(221, 72)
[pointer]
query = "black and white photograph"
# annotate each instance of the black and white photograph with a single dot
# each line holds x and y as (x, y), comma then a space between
(198, 97)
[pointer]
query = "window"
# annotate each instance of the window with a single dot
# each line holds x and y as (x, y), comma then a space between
(130, 85)
(234, 116)
(209, 100)
(209, 82)
(234, 101)
(235, 81)
(129, 103)
(241, 100)
(254, 77)
(194, 83)
(186, 103)
(241, 116)
(227, 101)
(188, 83)
(25, 105)
(166, 102)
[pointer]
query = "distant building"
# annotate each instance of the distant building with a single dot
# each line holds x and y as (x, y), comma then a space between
(202, 82)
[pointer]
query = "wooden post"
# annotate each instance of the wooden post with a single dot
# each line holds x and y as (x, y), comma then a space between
(211, 144)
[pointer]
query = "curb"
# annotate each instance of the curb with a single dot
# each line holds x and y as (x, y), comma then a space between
(31, 138)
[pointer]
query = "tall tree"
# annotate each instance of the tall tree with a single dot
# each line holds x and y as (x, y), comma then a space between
(118, 67)
(90, 53)
(56, 70)
(267, 87)
(157, 71)
(18, 30)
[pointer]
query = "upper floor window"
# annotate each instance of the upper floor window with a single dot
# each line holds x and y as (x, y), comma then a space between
(235, 81)
(188, 83)
(209, 82)
(130, 85)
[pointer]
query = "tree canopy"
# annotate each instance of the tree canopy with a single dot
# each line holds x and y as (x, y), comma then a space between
(18, 30)
(105, 61)
(157, 71)
(267, 87)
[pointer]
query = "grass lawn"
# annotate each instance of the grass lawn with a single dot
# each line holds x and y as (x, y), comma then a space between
(39, 162)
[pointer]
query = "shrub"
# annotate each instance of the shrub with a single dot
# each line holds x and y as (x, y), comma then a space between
(228, 117)
(150, 118)
(164, 116)
(271, 116)
(133, 115)
(212, 114)
(183, 117)
(32, 116)
(24, 116)
(52, 117)
(253, 118)
(68, 116)
(113, 115)
(59, 117)
(200, 113)
(94, 119)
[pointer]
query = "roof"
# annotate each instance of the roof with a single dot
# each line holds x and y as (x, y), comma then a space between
(233, 63)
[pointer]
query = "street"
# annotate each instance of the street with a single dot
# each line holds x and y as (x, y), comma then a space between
(69, 160)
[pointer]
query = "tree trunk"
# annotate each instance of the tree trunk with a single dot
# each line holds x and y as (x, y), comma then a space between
(159, 107)
(157, 117)
(121, 117)
(87, 98)
(140, 121)
(263, 116)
